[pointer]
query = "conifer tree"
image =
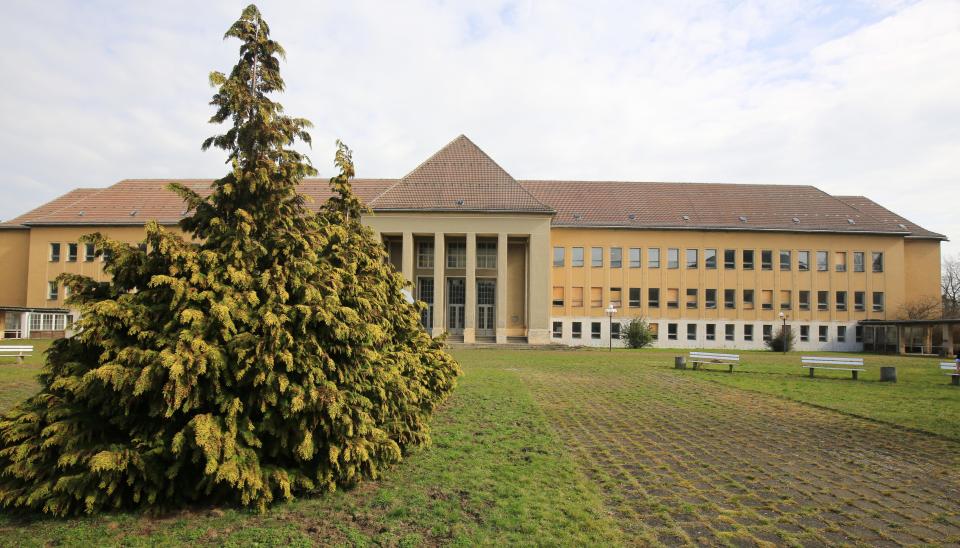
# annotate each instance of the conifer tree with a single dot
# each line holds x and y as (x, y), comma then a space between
(271, 354)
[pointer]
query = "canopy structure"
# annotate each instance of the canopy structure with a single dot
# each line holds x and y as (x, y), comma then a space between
(925, 337)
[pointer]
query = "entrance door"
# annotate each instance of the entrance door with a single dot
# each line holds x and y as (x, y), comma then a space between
(425, 294)
(456, 298)
(486, 315)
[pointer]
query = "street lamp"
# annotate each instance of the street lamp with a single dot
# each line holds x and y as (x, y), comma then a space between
(783, 332)
(610, 312)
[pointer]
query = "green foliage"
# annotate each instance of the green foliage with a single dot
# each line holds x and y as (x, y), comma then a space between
(637, 333)
(276, 357)
(780, 338)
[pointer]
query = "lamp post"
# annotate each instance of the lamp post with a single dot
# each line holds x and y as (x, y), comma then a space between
(610, 312)
(783, 332)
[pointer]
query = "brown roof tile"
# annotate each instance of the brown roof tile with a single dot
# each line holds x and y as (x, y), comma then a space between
(50, 207)
(884, 215)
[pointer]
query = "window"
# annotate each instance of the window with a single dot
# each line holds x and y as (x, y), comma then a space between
(730, 259)
(786, 299)
(841, 300)
(557, 330)
(616, 297)
(823, 300)
(858, 333)
(576, 330)
(558, 295)
(878, 301)
(841, 333)
(710, 259)
(748, 299)
(72, 253)
(803, 261)
(633, 297)
(672, 331)
(653, 257)
(596, 257)
(559, 256)
(691, 298)
(767, 332)
(107, 256)
(710, 298)
(748, 259)
(878, 261)
(59, 322)
(841, 258)
(785, 260)
(691, 331)
(54, 253)
(711, 331)
(692, 258)
(456, 255)
(766, 299)
(89, 252)
(615, 331)
(425, 255)
(804, 333)
(804, 300)
(35, 321)
(635, 257)
(616, 257)
(730, 298)
(52, 291)
(673, 298)
(594, 330)
(576, 297)
(858, 261)
(653, 297)
(487, 255)
(47, 322)
(728, 332)
(766, 259)
(673, 258)
(654, 330)
(577, 258)
(748, 332)
(859, 301)
(822, 261)
(596, 297)
(822, 330)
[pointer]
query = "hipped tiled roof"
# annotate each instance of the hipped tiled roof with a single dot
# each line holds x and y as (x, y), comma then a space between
(884, 215)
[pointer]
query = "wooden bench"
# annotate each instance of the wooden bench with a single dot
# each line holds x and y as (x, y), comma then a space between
(19, 352)
(954, 373)
(853, 365)
(705, 358)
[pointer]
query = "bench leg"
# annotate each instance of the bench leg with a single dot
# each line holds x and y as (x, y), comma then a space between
(811, 372)
(731, 368)
(20, 358)
(854, 374)
(955, 380)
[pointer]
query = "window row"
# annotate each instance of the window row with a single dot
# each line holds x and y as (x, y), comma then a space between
(710, 332)
(747, 299)
(73, 250)
(457, 254)
(50, 321)
(747, 259)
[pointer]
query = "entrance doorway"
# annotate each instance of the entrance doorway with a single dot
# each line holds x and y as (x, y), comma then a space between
(456, 299)
(486, 314)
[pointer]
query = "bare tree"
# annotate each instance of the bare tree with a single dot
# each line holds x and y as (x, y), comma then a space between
(950, 284)
(924, 308)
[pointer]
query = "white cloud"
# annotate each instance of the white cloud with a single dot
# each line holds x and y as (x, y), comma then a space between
(855, 98)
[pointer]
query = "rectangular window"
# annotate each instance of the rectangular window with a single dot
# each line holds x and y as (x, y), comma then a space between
(729, 332)
(804, 333)
(558, 295)
(858, 333)
(823, 300)
(425, 255)
(691, 331)
(47, 322)
(59, 322)
(673, 298)
(576, 330)
(748, 303)
(653, 257)
(89, 252)
(822, 264)
(822, 333)
(52, 291)
(711, 331)
(595, 330)
(841, 258)
(878, 261)
(72, 253)
(766, 259)
(616, 257)
(596, 257)
(748, 259)
(786, 299)
(596, 297)
(653, 297)
(577, 258)
(655, 330)
(559, 255)
(615, 331)
(35, 321)
(692, 258)
(456, 255)
(730, 298)
(803, 261)
(634, 297)
(710, 298)
(730, 259)
(766, 299)
(576, 297)
(858, 261)
(616, 297)
(748, 332)
(54, 252)
(878, 301)
(767, 332)
(841, 300)
(557, 330)
(487, 255)
(859, 301)
(691, 298)
(672, 331)
(673, 258)
(710, 259)
(786, 261)
(804, 300)
(636, 255)
(841, 333)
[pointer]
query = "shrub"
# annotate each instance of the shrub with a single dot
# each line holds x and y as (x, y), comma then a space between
(638, 333)
(779, 339)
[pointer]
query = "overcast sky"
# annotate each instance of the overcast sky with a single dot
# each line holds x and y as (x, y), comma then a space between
(852, 97)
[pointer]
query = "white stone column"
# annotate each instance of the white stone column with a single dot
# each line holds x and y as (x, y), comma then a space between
(470, 308)
(406, 256)
(538, 313)
(25, 325)
(439, 285)
(501, 306)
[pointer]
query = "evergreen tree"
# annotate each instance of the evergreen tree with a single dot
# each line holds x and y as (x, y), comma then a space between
(277, 356)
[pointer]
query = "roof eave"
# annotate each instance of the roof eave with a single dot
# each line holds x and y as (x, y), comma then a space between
(730, 228)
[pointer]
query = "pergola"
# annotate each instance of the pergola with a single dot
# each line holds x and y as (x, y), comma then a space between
(910, 336)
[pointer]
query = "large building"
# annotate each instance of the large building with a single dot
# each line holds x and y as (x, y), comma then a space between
(708, 265)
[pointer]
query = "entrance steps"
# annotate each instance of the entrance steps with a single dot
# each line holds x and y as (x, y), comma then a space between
(513, 343)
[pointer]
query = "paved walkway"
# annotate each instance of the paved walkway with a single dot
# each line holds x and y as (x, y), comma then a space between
(682, 460)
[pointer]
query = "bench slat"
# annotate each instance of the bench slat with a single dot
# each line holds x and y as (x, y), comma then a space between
(833, 368)
(709, 356)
